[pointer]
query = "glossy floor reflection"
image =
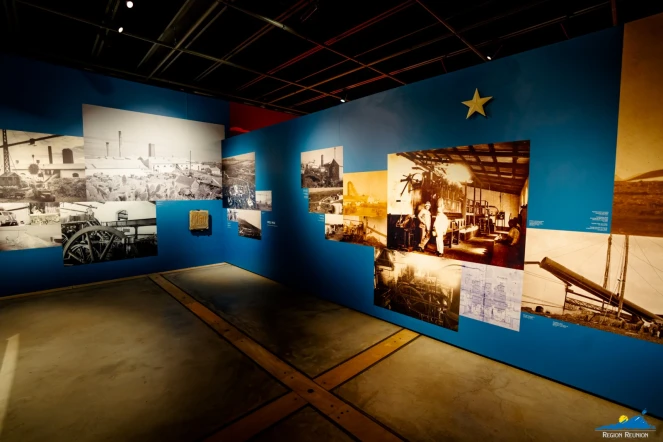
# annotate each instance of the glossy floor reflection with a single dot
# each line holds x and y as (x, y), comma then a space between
(127, 361)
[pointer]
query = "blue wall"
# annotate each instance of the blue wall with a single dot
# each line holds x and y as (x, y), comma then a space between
(565, 99)
(44, 98)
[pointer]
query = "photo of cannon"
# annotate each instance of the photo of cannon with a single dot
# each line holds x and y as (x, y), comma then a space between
(107, 231)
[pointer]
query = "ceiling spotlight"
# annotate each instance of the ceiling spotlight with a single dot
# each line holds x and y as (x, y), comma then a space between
(130, 4)
(489, 57)
(342, 100)
(120, 30)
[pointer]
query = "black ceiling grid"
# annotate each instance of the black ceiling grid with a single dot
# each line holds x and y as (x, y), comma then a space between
(332, 49)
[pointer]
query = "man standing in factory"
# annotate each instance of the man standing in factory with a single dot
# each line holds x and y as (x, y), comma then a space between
(441, 225)
(424, 217)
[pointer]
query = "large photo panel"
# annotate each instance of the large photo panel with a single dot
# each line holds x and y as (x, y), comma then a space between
(41, 167)
(94, 232)
(239, 182)
(29, 226)
(467, 203)
(133, 156)
(605, 281)
(638, 196)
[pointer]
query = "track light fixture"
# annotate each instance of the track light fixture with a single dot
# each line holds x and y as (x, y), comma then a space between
(130, 4)
(120, 30)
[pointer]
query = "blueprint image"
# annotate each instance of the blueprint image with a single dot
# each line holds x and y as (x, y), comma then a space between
(492, 294)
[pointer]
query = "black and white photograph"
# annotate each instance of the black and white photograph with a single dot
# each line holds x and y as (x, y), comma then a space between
(366, 231)
(322, 168)
(264, 200)
(41, 167)
(232, 215)
(239, 182)
(334, 227)
(327, 201)
(249, 223)
(29, 226)
(134, 156)
(467, 203)
(420, 286)
(365, 194)
(608, 282)
(95, 232)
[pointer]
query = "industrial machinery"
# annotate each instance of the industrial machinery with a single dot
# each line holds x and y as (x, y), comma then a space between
(86, 240)
(331, 204)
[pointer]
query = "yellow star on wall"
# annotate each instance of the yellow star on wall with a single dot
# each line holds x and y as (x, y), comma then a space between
(476, 104)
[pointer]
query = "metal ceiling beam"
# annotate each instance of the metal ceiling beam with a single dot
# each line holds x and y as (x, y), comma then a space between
(503, 38)
(613, 9)
(195, 37)
(301, 4)
(453, 31)
(288, 29)
(364, 25)
(168, 46)
(417, 46)
(185, 37)
(100, 40)
(170, 28)
(133, 76)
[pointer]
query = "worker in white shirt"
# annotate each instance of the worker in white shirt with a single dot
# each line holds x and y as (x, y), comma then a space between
(440, 226)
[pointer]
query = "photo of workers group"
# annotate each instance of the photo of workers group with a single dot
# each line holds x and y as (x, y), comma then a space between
(467, 203)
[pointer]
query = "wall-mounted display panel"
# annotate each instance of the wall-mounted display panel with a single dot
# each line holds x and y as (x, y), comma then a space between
(29, 226)
(249, 223)
(264, 200)
(638, 198)
(584, 278)
(239, 182)
(94, 232)
(424, 287)
(41, 167)
(461, 202)
(134, 156)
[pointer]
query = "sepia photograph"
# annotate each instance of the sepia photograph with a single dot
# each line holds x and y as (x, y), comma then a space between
(637, 207)
(264, 200)
(334, 227)
(133, 156)
(492, 295)
(424, 287)
(29, 226)
(365, 194)
(365, 231)
(41, 168)
(95, 232)
(322, 168)
(321, 200)
(239, 182)
(249, 223)
(605, 281)
(232, 215)
(467, 203)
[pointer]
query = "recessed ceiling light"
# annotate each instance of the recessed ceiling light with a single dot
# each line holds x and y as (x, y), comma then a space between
(130, 4)
(120, 30)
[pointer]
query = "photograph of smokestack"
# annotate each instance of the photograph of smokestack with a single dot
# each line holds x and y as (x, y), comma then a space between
(322, 174)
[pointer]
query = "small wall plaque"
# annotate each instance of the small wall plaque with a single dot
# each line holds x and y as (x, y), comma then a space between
(198, 220)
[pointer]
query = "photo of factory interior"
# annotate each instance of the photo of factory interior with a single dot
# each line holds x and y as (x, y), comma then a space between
(479, 191)
(331, 220)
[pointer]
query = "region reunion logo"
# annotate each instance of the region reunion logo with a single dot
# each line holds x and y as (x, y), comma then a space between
(635, 427)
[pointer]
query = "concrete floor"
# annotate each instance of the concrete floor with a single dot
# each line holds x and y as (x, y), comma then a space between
(311, 334)
(122, 362)
(125, 361)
